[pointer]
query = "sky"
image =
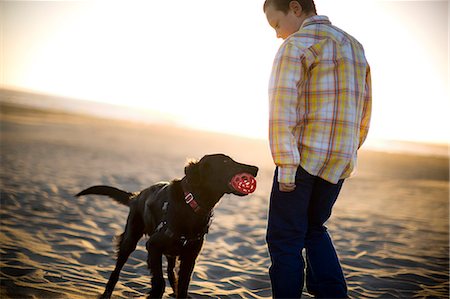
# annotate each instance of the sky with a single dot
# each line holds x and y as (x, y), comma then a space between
(206, 63)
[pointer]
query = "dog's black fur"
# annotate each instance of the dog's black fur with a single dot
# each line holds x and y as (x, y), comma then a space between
(174, 228)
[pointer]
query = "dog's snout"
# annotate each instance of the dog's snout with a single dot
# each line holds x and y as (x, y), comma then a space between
(250, 169)
(254, 170)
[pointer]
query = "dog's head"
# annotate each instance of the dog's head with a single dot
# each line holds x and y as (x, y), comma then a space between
(220, 174)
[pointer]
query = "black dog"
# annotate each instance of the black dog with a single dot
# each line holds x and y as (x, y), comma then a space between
(176, 217)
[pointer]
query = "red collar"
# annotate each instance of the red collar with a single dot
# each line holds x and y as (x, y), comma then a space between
(190, 200)
(189, 197)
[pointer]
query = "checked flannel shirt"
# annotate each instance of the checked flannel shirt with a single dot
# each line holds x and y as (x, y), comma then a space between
(320, 102)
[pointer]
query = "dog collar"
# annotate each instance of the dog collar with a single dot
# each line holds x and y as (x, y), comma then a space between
(189, 198)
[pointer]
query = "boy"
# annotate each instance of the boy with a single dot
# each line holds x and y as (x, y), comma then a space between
(320, 104)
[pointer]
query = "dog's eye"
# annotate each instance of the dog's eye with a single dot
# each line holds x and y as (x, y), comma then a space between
(225, 161)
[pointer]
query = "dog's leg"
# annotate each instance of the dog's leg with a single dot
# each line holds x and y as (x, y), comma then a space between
(154, 262)
(186, 267)
(171, 260)
(127, 244)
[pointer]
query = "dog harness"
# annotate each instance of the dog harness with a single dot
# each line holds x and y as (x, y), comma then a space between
(163, 228)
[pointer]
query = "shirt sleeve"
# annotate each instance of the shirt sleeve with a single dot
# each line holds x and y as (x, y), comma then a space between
(367, 110)
(283, 102)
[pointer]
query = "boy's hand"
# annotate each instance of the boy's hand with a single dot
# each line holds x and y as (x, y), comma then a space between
(286, 187)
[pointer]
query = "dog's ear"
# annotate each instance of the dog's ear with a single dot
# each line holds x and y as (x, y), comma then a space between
(192, 172)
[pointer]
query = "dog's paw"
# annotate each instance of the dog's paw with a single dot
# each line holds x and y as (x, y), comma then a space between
(104, 296)
(175, 296)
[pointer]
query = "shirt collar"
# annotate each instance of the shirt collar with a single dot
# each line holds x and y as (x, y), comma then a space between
(314, 20)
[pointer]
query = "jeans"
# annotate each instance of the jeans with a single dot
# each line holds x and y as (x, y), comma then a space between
(296, 222)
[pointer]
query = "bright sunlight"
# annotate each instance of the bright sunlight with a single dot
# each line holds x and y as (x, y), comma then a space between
(206, 65)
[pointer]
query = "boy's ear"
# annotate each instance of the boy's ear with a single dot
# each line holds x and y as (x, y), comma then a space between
(192, 172)
(296, 7)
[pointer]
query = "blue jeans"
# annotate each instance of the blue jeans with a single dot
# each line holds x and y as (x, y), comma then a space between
(296, 222)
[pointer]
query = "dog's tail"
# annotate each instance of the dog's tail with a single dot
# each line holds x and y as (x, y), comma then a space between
(118, 195)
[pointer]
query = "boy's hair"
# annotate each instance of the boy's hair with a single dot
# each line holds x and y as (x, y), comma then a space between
(283, 5)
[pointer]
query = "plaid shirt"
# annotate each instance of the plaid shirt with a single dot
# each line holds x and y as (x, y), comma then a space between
(320, 102)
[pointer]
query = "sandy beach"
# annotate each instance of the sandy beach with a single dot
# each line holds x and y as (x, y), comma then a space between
(390, 224)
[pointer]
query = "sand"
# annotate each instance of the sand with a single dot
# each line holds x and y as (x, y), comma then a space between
(390, 224)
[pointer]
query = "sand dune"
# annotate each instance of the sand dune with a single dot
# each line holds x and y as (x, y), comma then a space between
(390, 225)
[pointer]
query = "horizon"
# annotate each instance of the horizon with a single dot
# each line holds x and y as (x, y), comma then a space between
(210, 72)
(57, 103)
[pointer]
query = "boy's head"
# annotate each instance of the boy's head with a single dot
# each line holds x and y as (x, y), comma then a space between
(308, 6)
(286, 16)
